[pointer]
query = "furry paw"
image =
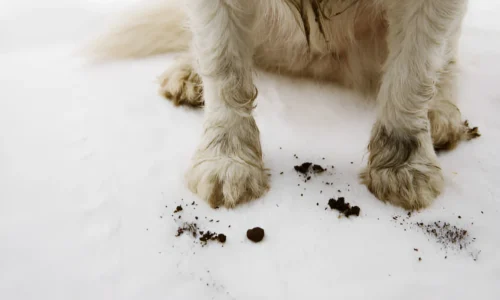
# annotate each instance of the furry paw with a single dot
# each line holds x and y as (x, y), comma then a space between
(227, 181)
(411, 186)
(182, 85)
(447, 128)
(403, 170)
(228, 169)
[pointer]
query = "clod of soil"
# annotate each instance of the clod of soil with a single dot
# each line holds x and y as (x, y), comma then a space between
(318, 169)
(178, 209)
(221, 238)
(343, 207)
(353, 211)
(256, 234)
(339, 204)
(212, 236)
(304, 168)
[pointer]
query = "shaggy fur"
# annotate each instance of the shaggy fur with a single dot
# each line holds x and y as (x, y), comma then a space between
(404, 51)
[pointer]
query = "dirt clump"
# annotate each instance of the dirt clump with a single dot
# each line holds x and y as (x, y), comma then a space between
(304, 168)
(255, 234)
(318, 169)
(344, 207)
(212, 236)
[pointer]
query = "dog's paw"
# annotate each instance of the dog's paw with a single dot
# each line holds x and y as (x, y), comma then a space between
(403, 170)
(411, 186)
(447, 127)
(225, 181)
(182, 85)
(227, 168)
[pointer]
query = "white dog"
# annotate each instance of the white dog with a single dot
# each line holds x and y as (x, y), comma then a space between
(403, 50)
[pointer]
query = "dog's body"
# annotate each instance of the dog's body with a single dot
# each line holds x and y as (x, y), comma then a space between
(402, 50)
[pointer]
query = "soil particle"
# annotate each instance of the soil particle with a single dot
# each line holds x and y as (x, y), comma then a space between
(304, 168)
(446, 234)
(178, 209)
(353, 211)
(343, 207)
(256, 234)
(188, 227)
(221, 238)
(212, 236)
(318, 169)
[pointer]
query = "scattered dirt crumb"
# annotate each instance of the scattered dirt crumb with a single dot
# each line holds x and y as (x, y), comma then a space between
(178, 209)
(449, 236)
(256, 234)
(188, 227)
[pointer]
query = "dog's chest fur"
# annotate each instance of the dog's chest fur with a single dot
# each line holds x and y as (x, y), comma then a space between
(351, 49)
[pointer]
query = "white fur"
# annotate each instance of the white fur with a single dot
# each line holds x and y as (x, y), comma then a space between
(150, 30)
(403, 50)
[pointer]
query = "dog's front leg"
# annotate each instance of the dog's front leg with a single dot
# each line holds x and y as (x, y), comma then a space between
(403, 167)
(227, 168)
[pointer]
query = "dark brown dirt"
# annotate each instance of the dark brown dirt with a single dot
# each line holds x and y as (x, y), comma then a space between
(318, 169)
(446, 234)
(212, 236)
(188, 227)
(304, 168)
(353, 211)
(343, 207)
(178, 209)
(256, 234)
(339, 204)
(221, 238)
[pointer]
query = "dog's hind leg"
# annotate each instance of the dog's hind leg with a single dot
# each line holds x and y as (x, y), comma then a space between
(447, 126)
(227, 167)
(181, 84)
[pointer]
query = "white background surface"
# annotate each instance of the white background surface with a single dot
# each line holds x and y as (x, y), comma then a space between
(92, 163)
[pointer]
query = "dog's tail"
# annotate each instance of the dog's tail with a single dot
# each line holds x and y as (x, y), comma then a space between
(153, 30)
